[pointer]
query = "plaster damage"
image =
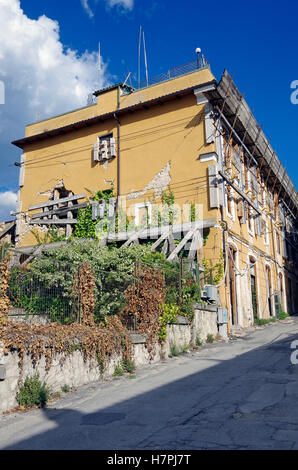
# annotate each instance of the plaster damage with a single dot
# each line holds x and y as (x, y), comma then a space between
(158, 184)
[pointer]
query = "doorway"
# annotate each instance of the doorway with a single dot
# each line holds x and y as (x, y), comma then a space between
(253, 288)
(232, 285)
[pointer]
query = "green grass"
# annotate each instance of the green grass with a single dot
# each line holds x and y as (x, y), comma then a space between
(210, 338)
(264, 321)
(174, 350)
(118, 370)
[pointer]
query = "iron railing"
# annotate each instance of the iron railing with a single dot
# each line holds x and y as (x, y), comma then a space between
(198, 64)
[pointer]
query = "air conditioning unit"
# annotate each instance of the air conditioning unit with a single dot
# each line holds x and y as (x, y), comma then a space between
(210, 293)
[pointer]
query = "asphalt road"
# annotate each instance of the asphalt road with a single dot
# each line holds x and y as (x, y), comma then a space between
(237, 395)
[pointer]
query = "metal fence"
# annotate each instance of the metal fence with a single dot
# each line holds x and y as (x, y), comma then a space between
(177, 275)
(175, 72)
(30, 297)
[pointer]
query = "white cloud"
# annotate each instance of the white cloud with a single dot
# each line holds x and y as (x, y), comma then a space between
(8, 200)
(126, 4)
(87, 8)
(41, 77)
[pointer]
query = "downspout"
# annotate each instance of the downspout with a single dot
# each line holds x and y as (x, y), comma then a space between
(226, 260)
(118, 159)
(276, 268)
(118, 147)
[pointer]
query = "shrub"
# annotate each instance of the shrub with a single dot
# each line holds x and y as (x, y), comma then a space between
(174, 350)
(33, 393)
(210, 338)
(198, 341)
(280, 314)
(113, 271)
(118, 370)
(128, 365)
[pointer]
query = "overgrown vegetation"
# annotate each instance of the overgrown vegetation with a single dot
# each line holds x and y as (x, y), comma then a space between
(210, 338)
(169, 315)
(52, 235)
(33, 393)
(213, 273)
(281, 314)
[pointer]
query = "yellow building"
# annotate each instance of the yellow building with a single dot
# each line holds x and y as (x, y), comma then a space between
(196, 136)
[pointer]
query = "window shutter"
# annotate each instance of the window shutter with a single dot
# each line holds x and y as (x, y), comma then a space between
(22, 171)
(112, 147)
(96, 152)
(209, 124)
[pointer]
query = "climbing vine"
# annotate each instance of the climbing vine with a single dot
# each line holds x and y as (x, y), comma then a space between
(86, 227)
(169, 315)
(213, 273)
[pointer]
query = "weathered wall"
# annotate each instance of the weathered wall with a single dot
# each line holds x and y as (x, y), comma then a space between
(71, 369)
(205, 322)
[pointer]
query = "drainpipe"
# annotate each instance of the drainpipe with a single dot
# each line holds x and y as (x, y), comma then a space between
(118, 158)
(275, 262)
(226, 260)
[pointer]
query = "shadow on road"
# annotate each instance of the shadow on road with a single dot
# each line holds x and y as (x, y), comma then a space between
(243, 402)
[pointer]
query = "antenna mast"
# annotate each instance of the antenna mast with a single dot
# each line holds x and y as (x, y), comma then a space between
(99, 66)
(145, 57)
(139, 58)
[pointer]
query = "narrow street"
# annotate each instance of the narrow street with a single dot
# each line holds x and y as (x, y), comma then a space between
(237, 395)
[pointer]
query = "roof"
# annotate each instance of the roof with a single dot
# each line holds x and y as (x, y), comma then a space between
(103, 117)
(110, 88)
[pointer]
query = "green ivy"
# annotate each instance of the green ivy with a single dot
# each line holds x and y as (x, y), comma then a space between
(170, 313)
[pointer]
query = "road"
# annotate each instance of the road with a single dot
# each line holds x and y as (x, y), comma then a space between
(237, 395)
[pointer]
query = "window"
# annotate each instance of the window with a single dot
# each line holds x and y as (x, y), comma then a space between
(250, 220)
(277, 242)
(105, 148)
(230, 201)
(143, 214)
(266, 233)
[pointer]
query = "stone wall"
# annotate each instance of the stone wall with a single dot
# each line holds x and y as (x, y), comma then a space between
(71, 369)
(205, 321)
(19, 315)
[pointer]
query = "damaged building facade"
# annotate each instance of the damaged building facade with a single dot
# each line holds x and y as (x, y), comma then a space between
(192, 134)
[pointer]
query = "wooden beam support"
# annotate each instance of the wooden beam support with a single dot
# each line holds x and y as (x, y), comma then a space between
(56, 201)
(178, 248)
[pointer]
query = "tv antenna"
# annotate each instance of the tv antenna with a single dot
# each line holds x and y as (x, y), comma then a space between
(142, 37)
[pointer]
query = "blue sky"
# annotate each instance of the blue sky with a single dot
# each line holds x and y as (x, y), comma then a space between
(256, 41)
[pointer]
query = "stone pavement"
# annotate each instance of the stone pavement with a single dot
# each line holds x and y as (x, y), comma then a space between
(237, 395)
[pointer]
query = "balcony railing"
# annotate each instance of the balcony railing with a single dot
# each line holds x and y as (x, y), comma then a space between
(198, 64)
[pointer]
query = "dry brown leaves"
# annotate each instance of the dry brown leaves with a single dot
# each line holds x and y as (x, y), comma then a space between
(85, 290)
(95, 343)
(4, 283)
(144, 300)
